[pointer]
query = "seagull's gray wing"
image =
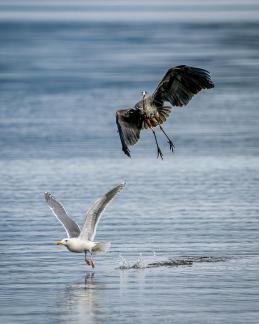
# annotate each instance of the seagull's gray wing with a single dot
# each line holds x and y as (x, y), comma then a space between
(180, 84)
(58, 210)
(94, 213)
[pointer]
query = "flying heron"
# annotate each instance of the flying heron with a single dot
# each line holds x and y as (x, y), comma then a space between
(178, 86)
(83, 240)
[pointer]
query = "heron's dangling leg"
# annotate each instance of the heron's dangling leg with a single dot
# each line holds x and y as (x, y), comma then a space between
(159, 152)
(171, 144)
(86, 260)
(92, 262)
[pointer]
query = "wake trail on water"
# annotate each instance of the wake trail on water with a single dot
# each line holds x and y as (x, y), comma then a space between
(155, 262)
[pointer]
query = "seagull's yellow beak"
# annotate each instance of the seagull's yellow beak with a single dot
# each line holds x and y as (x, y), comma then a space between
(59, 243)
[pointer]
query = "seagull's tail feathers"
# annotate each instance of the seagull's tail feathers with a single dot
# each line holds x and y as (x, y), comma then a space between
(101, 247)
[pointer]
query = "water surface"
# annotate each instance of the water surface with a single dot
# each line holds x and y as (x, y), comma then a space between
(65, 69)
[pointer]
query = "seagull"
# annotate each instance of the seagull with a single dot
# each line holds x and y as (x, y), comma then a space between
(178, 86)
(83, 240)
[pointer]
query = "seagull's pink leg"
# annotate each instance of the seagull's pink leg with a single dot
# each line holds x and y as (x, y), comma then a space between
(93, 265)
(92, 262)
(86, 260)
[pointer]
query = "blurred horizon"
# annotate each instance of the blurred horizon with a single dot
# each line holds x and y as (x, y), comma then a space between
(110, 11)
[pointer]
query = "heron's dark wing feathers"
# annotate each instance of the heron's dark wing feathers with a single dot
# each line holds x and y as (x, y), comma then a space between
(180, 84)
(129, 122)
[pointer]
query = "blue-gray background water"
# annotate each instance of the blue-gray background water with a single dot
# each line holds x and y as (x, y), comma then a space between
(65, 67)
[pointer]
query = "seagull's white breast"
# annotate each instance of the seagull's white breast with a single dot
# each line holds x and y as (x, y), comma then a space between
(78, 245)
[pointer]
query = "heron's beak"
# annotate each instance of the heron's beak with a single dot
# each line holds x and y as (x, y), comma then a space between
(59, 243)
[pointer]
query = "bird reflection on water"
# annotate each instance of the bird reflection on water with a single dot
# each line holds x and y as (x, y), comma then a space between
(80, 300)
(89, 280)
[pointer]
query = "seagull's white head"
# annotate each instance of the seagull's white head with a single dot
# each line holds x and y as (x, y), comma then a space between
(65, 242)
(73, 244)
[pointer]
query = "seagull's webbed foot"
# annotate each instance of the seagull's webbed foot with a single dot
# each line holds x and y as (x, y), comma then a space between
(88, 262)
(92, 264)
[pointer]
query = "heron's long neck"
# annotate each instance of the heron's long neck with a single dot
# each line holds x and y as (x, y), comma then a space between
(144, 103)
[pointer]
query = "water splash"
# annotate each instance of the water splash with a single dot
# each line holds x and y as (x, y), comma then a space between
(140, 264)
(154, 261)
(124, 264)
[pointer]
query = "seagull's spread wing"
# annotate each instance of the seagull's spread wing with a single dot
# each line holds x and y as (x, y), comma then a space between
(94, 213)
(180, 84)
(58, 210)
(129, 123)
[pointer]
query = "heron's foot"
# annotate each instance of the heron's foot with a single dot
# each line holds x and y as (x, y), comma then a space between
(159, 153)
(171, 145)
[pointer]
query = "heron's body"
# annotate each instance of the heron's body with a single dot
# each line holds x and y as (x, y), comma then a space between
(151, 115)
(147, 106)
(177, 87)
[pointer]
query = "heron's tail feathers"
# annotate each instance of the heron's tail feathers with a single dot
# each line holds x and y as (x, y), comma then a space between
(101, 247)
(164, 113)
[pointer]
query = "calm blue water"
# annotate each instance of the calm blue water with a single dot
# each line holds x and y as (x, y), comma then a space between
(65, 68)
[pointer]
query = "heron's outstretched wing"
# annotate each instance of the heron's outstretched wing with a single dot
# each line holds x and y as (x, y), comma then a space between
(180, 84)
(58, 210)
(94, 213)
(129, 123)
